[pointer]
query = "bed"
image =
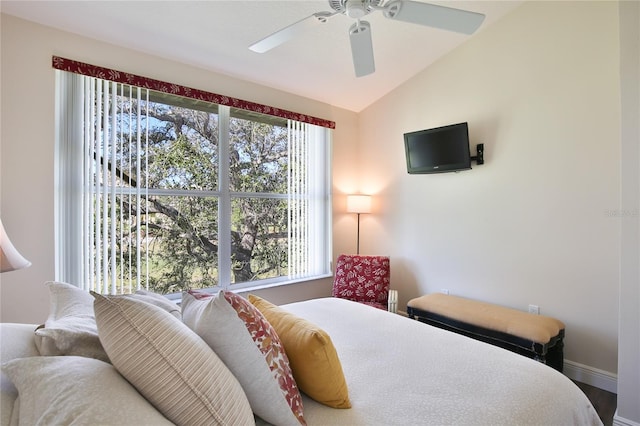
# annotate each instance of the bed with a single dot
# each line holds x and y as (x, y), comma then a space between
(398, 371)
(401, 371)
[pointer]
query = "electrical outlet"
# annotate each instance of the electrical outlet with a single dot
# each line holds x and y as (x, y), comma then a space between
(534, 309)
(444, 291)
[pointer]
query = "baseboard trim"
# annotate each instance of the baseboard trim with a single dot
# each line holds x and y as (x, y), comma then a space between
(591, 376)
(621, 421)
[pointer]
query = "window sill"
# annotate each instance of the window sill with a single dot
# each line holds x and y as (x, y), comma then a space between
(247, 288)
(264, 285)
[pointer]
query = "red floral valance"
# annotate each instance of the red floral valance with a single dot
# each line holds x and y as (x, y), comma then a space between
(176, 89)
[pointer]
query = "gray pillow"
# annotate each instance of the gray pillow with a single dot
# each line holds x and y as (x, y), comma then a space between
(71, 327)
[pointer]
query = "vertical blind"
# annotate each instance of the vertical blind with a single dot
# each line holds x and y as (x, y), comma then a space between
(100, 190)
(94, 186)
(306, 202)
(298, 210)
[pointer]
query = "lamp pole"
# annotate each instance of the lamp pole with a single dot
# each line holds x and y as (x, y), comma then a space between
(358, 236)
(358, 204)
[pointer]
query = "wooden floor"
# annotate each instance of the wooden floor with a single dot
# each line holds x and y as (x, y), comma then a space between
(604, 402)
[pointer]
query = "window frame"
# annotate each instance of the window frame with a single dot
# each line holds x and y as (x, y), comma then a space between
(65, 184)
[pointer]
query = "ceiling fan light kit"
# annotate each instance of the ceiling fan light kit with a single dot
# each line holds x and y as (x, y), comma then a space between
(415, 12)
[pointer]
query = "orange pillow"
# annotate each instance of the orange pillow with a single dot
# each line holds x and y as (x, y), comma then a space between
(312, 356)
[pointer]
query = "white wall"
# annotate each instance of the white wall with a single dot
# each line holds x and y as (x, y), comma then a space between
(629, 318)
(532, 225)
(27, 147)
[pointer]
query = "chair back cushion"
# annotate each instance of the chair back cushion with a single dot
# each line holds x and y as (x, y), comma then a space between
(363, 279)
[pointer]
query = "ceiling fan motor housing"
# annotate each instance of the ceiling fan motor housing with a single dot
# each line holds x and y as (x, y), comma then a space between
(355, 9)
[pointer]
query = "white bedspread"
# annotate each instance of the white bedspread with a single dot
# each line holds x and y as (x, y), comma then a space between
(401, 371)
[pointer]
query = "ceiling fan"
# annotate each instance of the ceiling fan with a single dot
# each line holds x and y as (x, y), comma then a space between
(416, 12)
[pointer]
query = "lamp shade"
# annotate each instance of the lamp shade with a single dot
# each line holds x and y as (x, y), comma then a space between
(358, 203)
(10, 259)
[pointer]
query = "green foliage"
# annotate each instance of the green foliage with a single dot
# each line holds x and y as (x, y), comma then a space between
(177, 231)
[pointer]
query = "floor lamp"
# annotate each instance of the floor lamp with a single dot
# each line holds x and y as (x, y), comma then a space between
(10, 259)
(358, 204)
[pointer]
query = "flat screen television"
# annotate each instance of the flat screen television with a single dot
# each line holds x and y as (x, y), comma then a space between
(438, 150)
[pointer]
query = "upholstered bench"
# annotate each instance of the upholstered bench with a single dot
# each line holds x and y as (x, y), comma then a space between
(535, 336)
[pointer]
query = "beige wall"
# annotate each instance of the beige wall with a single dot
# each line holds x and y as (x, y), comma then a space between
(27, 148)
(629, 317)
(540, 89)
(534, 225)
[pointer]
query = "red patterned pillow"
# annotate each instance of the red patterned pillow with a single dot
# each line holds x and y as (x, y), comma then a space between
(250, 348)
(363, 279)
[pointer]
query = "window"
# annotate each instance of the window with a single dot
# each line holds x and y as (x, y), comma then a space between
(163, 192)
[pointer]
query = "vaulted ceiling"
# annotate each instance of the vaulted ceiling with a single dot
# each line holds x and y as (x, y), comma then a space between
(215, 35)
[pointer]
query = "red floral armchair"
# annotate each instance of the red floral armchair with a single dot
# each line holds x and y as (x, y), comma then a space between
(363, 279)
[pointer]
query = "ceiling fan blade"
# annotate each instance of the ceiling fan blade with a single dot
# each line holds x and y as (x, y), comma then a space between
(445, 18)
(362, 48)
(289, 32)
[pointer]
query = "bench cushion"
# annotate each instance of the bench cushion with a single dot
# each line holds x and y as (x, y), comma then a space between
(537, 328)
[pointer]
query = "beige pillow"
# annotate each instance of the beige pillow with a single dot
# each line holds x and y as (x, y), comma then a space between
(70, 328)
(169, 364)
(63, 390)
(312, 356)
(250, 347)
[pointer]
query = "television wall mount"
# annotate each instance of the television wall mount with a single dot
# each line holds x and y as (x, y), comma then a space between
(479, 157)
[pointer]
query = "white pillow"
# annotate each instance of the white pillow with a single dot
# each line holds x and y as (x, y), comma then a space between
(158, 300)
(252, 350)
(57, 390)
(70, 328)
(169, 364)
